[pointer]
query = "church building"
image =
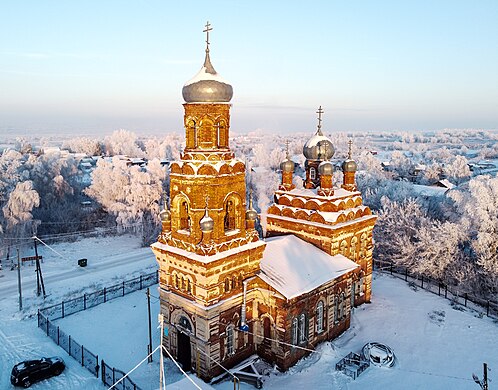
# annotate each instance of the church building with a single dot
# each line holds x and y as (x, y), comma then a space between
(227, 294)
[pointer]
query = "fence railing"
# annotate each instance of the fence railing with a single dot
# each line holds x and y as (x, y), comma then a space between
(89, 360)
(483, 306)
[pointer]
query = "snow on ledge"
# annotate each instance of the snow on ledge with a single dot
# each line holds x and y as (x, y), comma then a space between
(205, 258)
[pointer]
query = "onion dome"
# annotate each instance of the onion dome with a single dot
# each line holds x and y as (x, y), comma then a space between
(206, 223)
(165, 215)
(349, 165)
(207, 86)
(318, 147)
(251, 214)
(287, 165)
(326, 168)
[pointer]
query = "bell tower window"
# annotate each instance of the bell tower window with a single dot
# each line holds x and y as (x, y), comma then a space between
(229, 219)
(184, 216)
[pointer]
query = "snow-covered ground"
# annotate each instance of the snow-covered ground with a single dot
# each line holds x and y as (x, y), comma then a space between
(437, 346)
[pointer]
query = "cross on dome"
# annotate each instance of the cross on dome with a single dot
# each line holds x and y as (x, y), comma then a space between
(287, 148)
(319, 112)
(350, 143)
(207, 30)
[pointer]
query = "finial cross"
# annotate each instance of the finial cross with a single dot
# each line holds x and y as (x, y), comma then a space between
(207, 30)
(319, 112)
(350, 143)
(287, 148)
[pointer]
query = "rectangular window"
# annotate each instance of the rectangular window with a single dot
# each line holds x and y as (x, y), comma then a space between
(294, 331)
(230, 340)
(302, 328)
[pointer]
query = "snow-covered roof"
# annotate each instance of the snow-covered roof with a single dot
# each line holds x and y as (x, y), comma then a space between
(294, 267)
(429, 190)
(446, 183)
(205, 74)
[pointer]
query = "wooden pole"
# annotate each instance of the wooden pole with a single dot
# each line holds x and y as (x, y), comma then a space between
(19, 279)
(150, 326)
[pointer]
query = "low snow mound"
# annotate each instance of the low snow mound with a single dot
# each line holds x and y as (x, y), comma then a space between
(379, 354)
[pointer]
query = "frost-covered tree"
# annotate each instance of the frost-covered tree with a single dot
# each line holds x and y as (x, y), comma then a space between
(131, 194)
(86, 145)
(123, 142)
(479, 208)
(458, 170)
(18, 210)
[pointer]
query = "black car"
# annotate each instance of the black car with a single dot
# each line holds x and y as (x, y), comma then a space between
(30, 371)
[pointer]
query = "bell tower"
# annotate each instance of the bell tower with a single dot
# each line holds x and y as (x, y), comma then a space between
(208, 247)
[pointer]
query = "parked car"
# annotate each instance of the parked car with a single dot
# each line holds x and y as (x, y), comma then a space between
(30, 371)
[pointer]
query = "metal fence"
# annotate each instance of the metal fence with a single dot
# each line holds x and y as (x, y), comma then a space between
(458, 299)
(84, 356)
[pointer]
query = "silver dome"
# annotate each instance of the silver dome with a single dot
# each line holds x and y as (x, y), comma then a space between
(326, 168)
(287, 166)
(165, 215)
(318, 147)
(349, 166)
(207, 86)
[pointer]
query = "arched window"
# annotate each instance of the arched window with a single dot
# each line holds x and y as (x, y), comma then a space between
(312, 173)
(294, 331)
(189, 286)
(352, 251)
(185, 323)
(319, 317)
(336, 309)
(227, 284)
(177, 281)
(183, 284)
(229, 219)
(184, 216)
(363, 245)
(302, 328)
(361, 283)
(342, 306)
(344, 248)
(230, 340)
(234, 282)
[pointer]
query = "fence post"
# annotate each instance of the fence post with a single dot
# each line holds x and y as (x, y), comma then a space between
(69, 345)
(446, 291)
(422, 281)
(47, 325)
(57, 335)
(38, 318)
(84, 301)
(102, 376)
(104, 295)
(465, 299)
(82, 356)
(391, 268)
(97, 365)
(406, 274)
(487, 310)
(140, 282)
(62, 309)
(113, 375)
(123, 288)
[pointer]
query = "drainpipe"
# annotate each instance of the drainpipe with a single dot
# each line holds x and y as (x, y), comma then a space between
(243, 325)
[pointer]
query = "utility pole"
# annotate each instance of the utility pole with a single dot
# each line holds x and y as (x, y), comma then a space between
(162, 381)
(149, 348)
(484, 382)
(19, 279)
(39, 276)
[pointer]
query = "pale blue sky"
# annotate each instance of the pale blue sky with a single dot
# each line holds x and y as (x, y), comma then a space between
(372, 65)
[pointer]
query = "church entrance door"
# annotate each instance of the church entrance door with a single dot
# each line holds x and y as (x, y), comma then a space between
(184, 353)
